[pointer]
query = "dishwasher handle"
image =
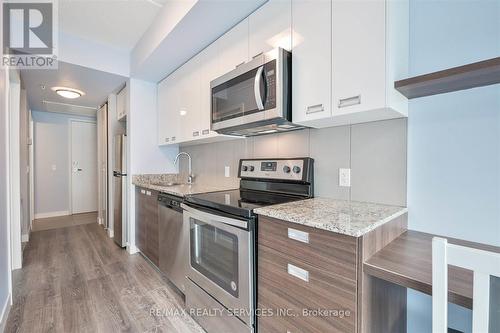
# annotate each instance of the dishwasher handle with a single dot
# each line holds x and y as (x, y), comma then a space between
(171, 203)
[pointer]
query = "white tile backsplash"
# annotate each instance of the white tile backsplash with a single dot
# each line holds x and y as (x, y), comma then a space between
(375, 152)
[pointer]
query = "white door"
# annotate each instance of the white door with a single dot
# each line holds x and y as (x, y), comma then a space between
(83, 167)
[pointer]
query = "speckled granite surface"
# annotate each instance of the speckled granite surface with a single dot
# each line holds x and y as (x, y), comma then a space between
(157, 182)
(344, 217)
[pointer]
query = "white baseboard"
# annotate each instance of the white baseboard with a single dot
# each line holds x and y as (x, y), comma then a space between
(5, 313)
(132, 249)
(25, 238)
(111, 233)
(51, 214)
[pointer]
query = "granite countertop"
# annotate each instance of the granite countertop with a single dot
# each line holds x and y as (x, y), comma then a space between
(350, 218)
(154, 181)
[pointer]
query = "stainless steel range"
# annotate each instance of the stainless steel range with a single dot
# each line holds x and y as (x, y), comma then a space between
(221, 286)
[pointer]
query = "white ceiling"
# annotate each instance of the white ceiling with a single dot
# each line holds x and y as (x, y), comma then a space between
(119, 23)
(96, 85)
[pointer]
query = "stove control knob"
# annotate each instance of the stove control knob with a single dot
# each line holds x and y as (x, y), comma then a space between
(244, 168)
(286, 169)
(252, 168)
(296, 169)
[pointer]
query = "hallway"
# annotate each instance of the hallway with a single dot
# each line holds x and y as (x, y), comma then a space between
(64, 221)
(75, 279)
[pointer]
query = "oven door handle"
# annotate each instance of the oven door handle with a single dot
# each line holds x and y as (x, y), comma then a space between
(256, 88)
(214, 219)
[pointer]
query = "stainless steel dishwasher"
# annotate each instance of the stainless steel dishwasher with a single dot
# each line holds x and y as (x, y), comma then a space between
(173, 255)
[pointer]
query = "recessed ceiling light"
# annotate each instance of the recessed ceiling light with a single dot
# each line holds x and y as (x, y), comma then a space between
(68, 92)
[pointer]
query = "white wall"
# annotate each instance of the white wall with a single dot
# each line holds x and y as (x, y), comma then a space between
(24, 164)
(5, 270)
(144, 155)
(83, 52)
(453, 139)
(52, 145)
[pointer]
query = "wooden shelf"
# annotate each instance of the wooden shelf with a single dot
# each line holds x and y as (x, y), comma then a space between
(473, 75)
(407, 261)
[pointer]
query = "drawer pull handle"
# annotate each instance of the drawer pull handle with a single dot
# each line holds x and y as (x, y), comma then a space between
(315, 108)
(205, 132)
(350, 101)
(298, 235)
(148, 193)
(143, 192)
(298, 272)
(241, 63)
(196, 133)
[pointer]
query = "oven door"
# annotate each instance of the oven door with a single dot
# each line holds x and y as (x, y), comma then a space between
(221, 258)
(250, 93)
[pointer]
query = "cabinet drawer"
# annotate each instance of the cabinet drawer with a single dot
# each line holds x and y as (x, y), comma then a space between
(287, 283)
(322, 249)
(268, 324)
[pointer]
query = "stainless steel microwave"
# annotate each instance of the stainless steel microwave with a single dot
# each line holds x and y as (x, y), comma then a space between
(255, 98)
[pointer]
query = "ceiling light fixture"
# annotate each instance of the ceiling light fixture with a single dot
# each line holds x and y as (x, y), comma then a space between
(68, 92)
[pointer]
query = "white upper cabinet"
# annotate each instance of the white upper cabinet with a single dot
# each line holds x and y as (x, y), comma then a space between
(209, 70)
(270, 27)
(189, 99)
(311, 60)
(369, 51)
(359, 56)
(233, 48)
(121, 104)
(168, 110)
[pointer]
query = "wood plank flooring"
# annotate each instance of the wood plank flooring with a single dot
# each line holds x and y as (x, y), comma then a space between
(75, 279)
(64, 221)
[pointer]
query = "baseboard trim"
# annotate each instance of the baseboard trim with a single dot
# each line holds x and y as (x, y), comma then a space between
(5, 313)
(51, 214)
(25, 238)
(111, 233)
(132, 249)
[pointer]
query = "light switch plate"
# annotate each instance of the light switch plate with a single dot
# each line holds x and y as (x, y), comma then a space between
(227, 171)
(345, 177)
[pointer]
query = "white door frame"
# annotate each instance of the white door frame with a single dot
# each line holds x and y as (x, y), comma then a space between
(14, 168)
(31, 149)
(70, 157)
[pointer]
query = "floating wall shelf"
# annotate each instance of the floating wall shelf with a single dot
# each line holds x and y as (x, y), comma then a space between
(473, 75)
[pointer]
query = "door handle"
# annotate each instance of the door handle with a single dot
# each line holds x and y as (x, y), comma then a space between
(79, 169)
(256, 88)
(349, 101)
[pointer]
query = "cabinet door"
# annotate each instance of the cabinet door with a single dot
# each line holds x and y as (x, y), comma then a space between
(358, 39)
(209, 70)
(120, 104)
(311, 61)
(233, 47)
(140, 220)
(189, 98)
(270, 27)
(168, 110)
(152, 237)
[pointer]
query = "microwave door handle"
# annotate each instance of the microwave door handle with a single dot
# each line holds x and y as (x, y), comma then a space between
(256, 88)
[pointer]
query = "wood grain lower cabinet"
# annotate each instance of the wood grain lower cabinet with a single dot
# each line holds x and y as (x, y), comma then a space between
(310, 273)
(146, 223)
(311, 280)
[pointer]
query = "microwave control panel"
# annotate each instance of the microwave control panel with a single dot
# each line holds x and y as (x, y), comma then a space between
(278, 169)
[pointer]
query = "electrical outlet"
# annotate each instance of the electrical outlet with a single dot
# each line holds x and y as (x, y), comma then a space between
(227, 172)
(344, 177)
(54, 167)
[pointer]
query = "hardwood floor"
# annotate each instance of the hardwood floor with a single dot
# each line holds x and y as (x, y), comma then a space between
(75, 279)
(64, 221)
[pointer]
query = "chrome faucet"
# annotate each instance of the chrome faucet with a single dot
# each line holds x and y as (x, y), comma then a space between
(190, 170)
